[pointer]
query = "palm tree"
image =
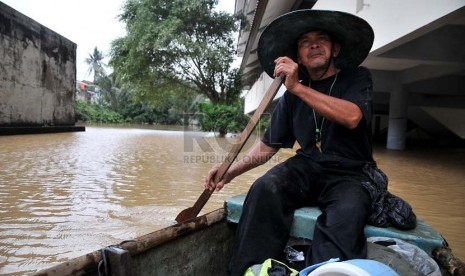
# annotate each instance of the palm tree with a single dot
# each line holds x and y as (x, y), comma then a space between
(95, 64)
(112, 94)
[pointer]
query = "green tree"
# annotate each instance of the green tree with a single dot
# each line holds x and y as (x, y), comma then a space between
(222, 118)
(112, 91)
(117, 102)
(178, 46)
(95, 63)
(111, 95)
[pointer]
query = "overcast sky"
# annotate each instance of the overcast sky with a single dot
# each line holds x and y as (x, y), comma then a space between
(88, 23)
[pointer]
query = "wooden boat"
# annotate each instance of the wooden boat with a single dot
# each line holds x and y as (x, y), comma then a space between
(202, 246)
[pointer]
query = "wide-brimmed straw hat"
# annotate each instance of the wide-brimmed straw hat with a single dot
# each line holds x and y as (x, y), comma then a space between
(279, 38)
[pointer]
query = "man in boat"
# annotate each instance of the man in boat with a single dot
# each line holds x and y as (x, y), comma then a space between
(327, 110)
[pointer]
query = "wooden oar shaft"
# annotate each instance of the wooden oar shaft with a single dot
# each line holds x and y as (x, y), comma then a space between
(251, 125)
(193, 211)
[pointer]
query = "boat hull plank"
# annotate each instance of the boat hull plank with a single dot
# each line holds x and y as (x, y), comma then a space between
(205, 252)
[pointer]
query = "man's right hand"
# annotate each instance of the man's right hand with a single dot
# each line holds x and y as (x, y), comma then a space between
(259, 154)
(210, 180)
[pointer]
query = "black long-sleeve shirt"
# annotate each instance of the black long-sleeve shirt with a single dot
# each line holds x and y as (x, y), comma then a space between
(293, 120)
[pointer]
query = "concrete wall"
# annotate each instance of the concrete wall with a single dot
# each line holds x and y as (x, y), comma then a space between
(37, 73)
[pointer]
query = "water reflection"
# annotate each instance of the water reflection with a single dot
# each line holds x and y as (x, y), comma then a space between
(64, 195)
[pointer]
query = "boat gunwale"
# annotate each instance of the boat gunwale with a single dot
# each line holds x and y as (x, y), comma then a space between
(89, 262)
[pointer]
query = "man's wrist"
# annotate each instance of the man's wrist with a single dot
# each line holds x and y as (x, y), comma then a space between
(299, 89)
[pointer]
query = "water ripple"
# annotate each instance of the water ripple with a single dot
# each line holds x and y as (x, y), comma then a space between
(64, 195)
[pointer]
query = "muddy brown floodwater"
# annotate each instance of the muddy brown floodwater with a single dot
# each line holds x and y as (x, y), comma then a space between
(64, 195)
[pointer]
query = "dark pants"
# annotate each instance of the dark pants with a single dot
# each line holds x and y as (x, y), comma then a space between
(269, 207)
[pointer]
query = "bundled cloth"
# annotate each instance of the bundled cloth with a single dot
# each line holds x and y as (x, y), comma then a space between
(387, 209)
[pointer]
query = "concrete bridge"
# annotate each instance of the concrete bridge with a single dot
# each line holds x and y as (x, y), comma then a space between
(417, 62)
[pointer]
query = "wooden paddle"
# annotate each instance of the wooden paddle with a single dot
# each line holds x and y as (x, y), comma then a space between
(193, 211)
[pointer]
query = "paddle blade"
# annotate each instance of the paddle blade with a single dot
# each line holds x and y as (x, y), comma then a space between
(186, 214)
(193, 211)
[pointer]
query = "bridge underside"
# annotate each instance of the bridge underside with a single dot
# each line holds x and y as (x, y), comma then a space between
(428, 68)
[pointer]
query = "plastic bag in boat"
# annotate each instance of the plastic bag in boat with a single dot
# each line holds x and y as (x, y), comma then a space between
(417, 257)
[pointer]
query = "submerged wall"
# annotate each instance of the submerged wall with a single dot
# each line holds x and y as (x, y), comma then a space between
(37, 73)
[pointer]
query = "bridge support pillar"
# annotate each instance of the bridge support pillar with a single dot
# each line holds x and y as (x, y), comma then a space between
(398, 109)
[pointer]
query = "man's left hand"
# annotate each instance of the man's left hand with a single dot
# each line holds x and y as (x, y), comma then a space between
(290, 69)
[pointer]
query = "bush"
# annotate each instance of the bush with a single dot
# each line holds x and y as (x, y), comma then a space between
(222, 118)
(83, 111)
(87, 112)
(105, 115)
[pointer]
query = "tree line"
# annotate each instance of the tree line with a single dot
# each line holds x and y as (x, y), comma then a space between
(175, 60)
